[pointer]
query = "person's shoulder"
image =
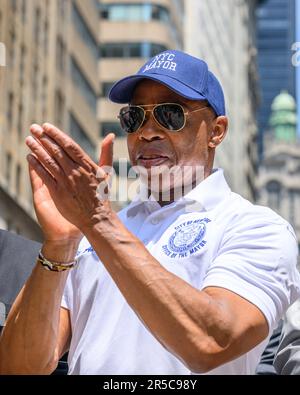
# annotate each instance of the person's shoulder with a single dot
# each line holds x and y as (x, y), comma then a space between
(9, 239)
(246, 210)
(258, 222)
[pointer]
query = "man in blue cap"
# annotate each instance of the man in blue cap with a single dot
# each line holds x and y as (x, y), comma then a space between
(176, 282)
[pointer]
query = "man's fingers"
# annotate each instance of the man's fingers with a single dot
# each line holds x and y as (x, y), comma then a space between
(39, 175)
(35, 180)
(74, 151)
(107, 151)
(43, 156)
(36, 128)
(54, 150)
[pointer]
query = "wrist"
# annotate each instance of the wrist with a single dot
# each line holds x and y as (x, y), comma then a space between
(55, 266)
(103, 228)
(100, 220)
(60, 251)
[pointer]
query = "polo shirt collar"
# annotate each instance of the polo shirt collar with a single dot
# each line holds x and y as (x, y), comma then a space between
(209, 193)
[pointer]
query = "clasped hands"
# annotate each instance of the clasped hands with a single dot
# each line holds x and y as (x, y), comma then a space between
(61, 171)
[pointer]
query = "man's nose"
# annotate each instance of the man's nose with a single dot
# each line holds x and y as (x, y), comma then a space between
(150, 130)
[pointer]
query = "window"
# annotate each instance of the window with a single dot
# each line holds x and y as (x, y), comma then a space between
(14, 5)
(18, 180)
(22, 64)
(44, 97)
(106, 87)
(113, 50)
(46, 36)
(8, 169)
(34, 80)
(160, 13)
(20, 121)
(81, 137)
(130, 50)
(134, 50)
(10, 110)
(12, 48)
(59, 109)
(111, 127)
(274, 194)
(134, 12)
(155, 49)
(83, 85)
(60, 54)
(294, 202)
(104, 12)
(23, 10)
(85, 33)
(62, 8)
(36, 25)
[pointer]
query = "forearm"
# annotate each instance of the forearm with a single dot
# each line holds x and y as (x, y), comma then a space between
(181, 317)
(29, 339)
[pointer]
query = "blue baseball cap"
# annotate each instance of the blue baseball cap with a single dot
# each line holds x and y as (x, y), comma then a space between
(184, 74)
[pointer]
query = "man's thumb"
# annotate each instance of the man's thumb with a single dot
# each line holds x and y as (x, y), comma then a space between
(106, 156)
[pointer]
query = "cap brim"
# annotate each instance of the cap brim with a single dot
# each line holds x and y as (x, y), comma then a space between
(122, 91)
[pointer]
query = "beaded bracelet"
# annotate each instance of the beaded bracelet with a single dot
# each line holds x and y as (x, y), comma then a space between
(54, 266)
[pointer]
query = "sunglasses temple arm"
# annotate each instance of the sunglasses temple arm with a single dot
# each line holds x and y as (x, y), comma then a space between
(199, 109)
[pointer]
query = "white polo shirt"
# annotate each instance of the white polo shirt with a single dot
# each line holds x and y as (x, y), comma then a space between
(211, 237)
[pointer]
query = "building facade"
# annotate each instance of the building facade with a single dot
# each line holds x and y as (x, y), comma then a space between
(130, 32)
(50, 76)
(279, 175)
(276, 33)
(226, 41)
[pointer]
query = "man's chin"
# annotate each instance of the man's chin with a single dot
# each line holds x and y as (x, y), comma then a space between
(163, 179)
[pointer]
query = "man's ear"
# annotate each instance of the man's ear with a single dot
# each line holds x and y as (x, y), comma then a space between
(220, 127)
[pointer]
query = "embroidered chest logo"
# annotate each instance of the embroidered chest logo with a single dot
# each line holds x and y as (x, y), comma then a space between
(187, 239)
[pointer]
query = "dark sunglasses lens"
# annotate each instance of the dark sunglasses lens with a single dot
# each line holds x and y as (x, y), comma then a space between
(131, 118)
(170, 116)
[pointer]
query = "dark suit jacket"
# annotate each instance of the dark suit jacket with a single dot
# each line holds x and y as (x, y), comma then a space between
(287, 358)
(17, 259)
(265, 366)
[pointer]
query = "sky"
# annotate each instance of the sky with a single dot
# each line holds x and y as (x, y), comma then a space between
(298, 68)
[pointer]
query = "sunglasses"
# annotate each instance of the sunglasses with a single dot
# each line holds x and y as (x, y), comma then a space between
(170, 116)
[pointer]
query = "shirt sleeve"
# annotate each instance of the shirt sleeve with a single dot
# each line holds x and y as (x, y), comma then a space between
(258, 262)
(67, 298)
(68, 293)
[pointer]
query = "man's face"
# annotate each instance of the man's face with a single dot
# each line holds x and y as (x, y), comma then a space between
(154, 147)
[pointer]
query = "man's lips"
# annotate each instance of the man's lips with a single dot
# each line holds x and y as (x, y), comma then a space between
(149, 160)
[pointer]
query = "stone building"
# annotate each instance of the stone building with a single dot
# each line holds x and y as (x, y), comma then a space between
(279, 176)
(50, 75)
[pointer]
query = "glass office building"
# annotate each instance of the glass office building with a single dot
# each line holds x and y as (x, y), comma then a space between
(276, 32)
